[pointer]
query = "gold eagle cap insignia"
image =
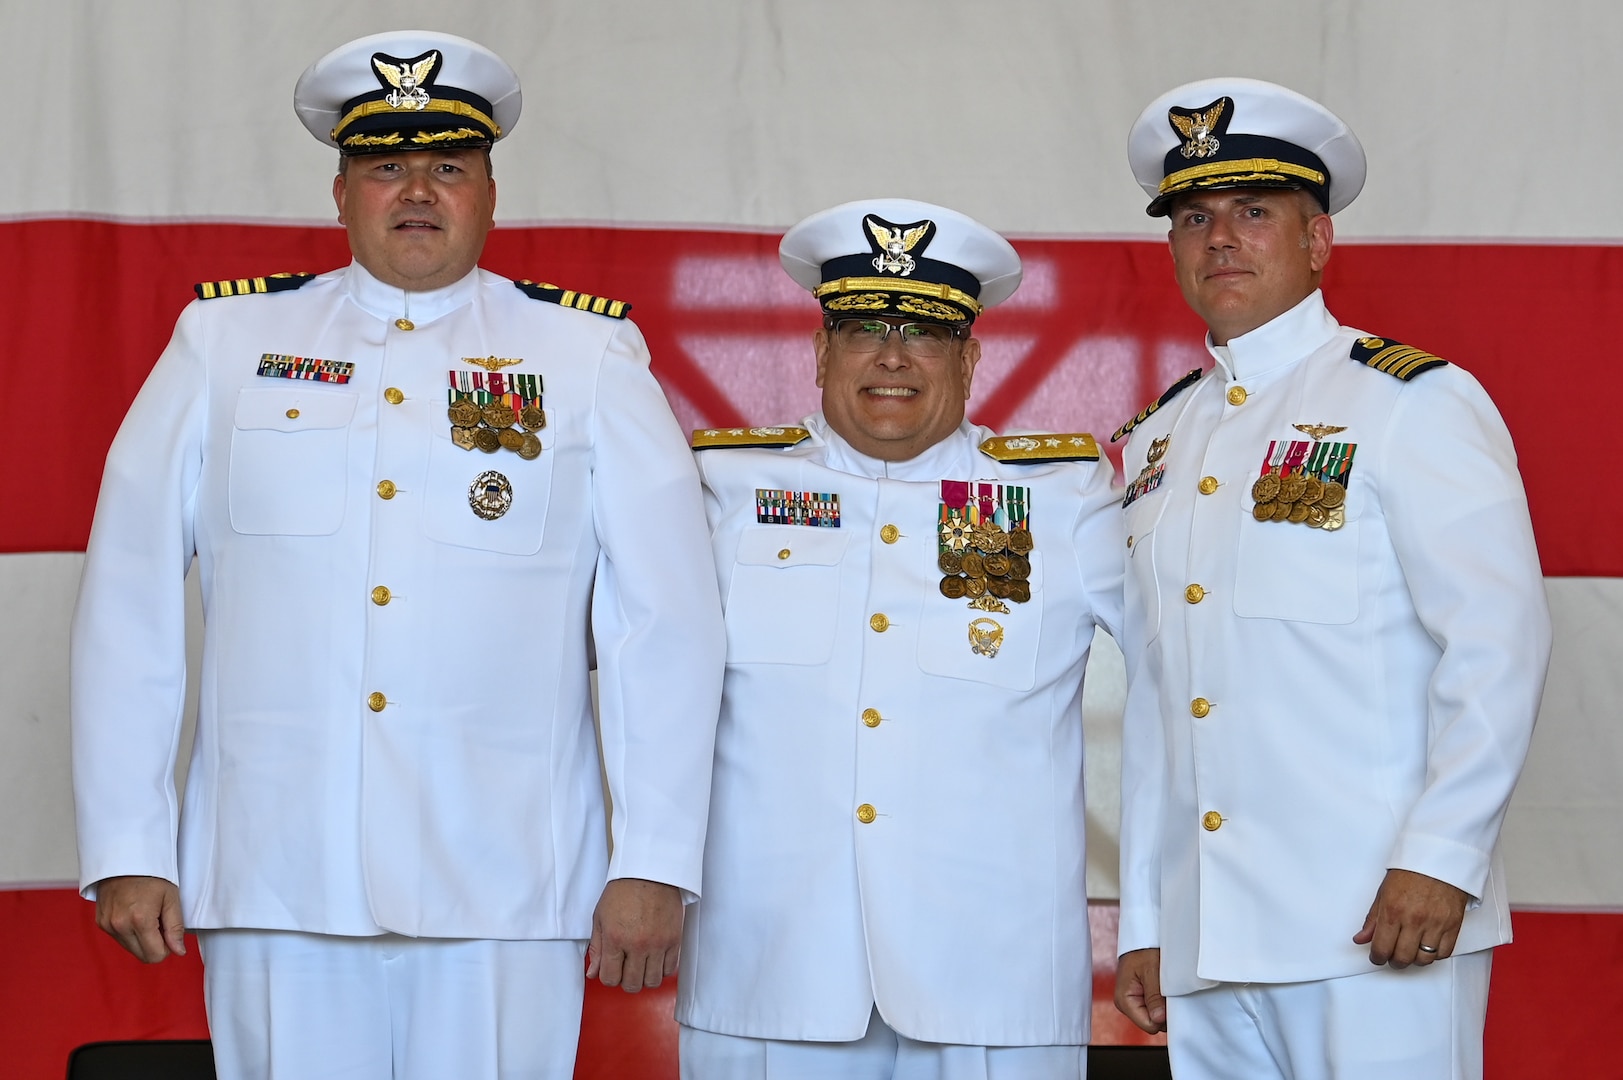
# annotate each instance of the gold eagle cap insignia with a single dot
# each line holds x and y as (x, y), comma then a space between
(906, 240)
(1197, 126)
(416, 73)
(1319, 431)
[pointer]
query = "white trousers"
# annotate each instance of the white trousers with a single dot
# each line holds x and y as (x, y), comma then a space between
(291, 1006)
(1420, 1023)
(881, 1054)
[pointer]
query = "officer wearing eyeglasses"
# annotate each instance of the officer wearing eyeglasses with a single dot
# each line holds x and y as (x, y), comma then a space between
(893, 874)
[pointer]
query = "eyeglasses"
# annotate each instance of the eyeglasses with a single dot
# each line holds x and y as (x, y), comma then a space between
(864, 336)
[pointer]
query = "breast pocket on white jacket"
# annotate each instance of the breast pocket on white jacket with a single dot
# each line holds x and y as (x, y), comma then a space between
(1296, 572)
(784, 599)
(993, 647)
(1143, 611)
(525, 486)
(289, 457)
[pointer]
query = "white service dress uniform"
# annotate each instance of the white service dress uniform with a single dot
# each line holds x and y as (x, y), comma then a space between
(1308, 707)
(897, 819)
(395, 729)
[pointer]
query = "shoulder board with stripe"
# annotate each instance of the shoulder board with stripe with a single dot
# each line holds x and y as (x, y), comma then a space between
(1171, 392)
(773, 438)
(1396, 359)
(569, 298)
(1040, 449)
(213, 290)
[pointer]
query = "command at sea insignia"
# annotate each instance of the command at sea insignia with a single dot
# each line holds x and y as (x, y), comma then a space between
(1171, 392)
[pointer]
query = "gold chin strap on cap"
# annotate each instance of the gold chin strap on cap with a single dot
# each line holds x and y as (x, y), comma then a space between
(450, 105)
(899, 285)
(1240, 169)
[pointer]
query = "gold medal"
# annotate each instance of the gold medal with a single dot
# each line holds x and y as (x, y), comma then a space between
(1266, 488)
(1019, 568)
(463, 437)
(486, 440)
(534, 418)
(498, 414)
(974, 565)
(975, 587)
(998, 565)
(1299, 513)
(950, 562)
(510, 439)
(1334, 519)
(1312, 490)
(1020, 541)
(1020, 591)
(952, 587)
(530, 448)
(1316, 517)
(464, 413)
(1334, 495)
(1282, 511)
(1000, 588)
(1263, 511)
(1291, 488)
(991, 539)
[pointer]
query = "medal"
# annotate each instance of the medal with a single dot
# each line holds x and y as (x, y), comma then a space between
(950, 562)
(530, 448)
(952, 587)
(1020, 541)
(464, 413)
(534, 418)
(463, 437)
(486, 440)
(498, 414)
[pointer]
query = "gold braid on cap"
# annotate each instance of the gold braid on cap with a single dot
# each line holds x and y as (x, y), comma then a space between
(1260, 168)
(899, 285)
(450, 105)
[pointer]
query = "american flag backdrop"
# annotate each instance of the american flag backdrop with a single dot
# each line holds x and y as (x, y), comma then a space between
(662, 150)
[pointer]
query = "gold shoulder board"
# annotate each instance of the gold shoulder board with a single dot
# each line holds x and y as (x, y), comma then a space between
(774, 438)
(1040, 449)
(213, 290)
(1398, 360)
(1171, 392)
(569, 298)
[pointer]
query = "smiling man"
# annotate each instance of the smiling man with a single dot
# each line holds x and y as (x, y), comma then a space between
(417, 493)
(894, 873)
(1336, 638)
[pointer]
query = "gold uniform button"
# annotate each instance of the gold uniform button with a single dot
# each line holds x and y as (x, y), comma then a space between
(1208, 484)
(386, 489)
(890, 534)
(1194, 594)
(879, 623)
(293, 414)
(1200, 707)
(1129, 541)
(393, 395)
(1236, 395)
(871, 717)
(404, 324)
(784, 554)
(866, 814)
(1211, 821)
(376, 701)
(381, 595)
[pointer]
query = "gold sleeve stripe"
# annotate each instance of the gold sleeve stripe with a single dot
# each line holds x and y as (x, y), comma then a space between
(1394, 358)
(212, 290)
(553, 294)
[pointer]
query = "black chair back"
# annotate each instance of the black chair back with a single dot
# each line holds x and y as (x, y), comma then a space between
(1128, 1063)
(156, 1059)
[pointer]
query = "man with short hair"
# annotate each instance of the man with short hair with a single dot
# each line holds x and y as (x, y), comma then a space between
(1336, 638)
(894, 871)
(418, 494)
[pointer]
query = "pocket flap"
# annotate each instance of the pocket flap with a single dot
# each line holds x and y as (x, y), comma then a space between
(789, 545)
(279, 408)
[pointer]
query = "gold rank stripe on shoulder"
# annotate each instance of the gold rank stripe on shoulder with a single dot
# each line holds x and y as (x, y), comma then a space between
(569, 298)
(1396, 359)
(1040, 449)
(211, 290)
(1171, 392)
(773, 438)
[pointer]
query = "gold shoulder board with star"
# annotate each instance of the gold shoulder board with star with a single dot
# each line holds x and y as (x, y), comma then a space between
(569, 298)
(1171, 392)
(213, 290)
(771, 438)
(1041, 449)
(1396, 359)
